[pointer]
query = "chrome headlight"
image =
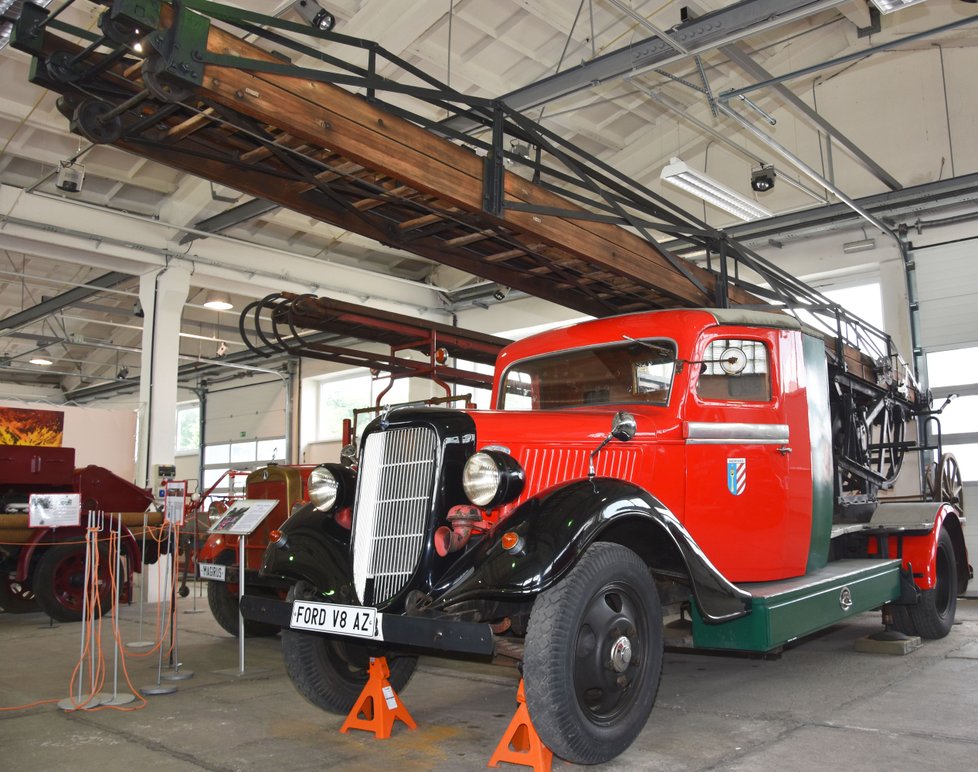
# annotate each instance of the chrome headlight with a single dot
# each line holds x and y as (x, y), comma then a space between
(324, 488)
(491, 478)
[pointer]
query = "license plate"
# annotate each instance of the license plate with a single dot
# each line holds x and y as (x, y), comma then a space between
(214, 571)
(358, 621)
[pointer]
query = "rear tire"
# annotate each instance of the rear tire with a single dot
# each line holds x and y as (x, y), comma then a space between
(331, 672)
(933, 615)
(59, 582)
(593, 656)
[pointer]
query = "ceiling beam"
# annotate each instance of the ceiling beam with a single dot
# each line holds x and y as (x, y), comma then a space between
(694, 36)
(49, 306)
(236, 215)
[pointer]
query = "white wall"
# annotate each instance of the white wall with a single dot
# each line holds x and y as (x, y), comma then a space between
(100, 436)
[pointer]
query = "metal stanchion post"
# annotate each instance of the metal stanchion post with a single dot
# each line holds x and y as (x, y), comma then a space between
(160, 688)
(141, 644)
(241, 584)
(90, 700)
(196, 547)
(125, 698)
(175, 673)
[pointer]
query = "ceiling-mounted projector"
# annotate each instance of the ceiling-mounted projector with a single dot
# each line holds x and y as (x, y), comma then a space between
(70, 178)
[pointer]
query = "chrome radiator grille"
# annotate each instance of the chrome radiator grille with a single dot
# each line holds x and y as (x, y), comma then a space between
(390, 518)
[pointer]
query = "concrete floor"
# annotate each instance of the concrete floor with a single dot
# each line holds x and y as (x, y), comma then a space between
(820, 706)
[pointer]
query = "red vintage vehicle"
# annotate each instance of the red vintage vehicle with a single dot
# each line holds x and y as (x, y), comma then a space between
(218, 558)
(742, 485)
(45, 566)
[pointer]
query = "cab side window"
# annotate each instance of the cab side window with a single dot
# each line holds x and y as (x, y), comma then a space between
(735, 370)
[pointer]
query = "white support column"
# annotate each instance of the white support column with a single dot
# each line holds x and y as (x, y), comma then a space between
(162, 294)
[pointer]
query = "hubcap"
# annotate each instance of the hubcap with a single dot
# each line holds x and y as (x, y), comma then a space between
(610, 656)
(621, 654)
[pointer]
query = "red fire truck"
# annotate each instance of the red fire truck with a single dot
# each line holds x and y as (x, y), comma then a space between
(742, 484)
(218, 559)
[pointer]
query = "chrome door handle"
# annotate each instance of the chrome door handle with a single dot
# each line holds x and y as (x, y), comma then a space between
(784, 450)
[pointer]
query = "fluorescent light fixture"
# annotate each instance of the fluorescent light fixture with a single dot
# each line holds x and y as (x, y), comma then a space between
(219, 301)
(41, 357)
(863, 245)
(889, 6)
(678, 173)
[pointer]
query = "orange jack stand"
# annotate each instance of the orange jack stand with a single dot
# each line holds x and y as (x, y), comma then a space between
(379, 704)
(520, 743)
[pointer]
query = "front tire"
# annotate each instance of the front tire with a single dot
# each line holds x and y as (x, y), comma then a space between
(15, 598)
(593, 656)
(933, 615)
(331, 672)
(223, 601)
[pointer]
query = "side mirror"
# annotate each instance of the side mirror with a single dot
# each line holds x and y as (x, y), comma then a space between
(623, 426)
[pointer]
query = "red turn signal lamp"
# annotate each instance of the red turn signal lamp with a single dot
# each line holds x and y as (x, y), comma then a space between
(512, 542)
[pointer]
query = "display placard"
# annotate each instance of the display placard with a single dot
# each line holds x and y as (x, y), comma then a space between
(244, 516)
(175, 501)
(50, 510)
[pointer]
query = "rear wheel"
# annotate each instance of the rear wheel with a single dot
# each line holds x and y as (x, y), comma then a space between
(15, 598)
(593, 656)
(933, 615)
(331, 672)
(59, 582)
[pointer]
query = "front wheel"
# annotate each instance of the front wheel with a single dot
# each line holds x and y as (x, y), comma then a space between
(331, 672)
(933, 615)
(593, 656)
(223, 601)
(15, 598)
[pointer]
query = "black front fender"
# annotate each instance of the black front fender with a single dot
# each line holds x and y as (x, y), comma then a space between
(316, 549)
(558, 527)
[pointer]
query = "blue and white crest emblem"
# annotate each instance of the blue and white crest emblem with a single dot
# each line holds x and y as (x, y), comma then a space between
(736, 475)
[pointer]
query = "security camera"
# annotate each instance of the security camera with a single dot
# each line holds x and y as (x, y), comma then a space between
(762, 179)
(315, 15)
(501, 292)
(70, 177)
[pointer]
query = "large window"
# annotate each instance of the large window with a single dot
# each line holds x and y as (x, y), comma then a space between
(864, 300)
(481, 397)
(242, 456)
(188, 428)
(956, 372)
(338, 396)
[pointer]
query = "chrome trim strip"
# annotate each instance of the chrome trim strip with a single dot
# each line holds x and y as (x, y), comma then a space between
(709, 433)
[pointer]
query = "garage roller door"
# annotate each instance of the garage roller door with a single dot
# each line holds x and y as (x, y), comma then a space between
(947, 288)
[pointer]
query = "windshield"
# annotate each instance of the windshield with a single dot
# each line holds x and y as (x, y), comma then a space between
(621, 373)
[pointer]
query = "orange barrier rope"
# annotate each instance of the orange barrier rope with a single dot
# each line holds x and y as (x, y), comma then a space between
(93, 619)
